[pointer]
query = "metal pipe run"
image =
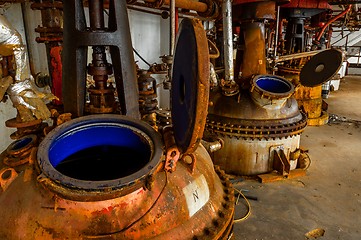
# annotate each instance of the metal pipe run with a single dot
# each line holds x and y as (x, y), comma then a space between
(184, 4)
(277, 31)
(172, 27)
(228, 40)
(331, 21)
(296, 56)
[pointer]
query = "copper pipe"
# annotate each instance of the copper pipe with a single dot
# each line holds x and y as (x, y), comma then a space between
(185, 4)
(331, 21)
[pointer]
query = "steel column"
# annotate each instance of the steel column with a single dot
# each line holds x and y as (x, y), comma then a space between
(117, 37)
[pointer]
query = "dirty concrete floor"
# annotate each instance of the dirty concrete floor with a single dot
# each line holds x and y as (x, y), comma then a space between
(329, 197)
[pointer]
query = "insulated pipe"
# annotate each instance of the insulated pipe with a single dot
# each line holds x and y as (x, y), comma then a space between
(332, 20)
(185, 4)
(11, 43)
(228, 40)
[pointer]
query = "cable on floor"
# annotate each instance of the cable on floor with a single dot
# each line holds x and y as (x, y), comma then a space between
(248, 206)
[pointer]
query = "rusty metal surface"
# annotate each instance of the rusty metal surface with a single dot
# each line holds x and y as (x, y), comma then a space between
(190, 85)
(255, 10)
(56, 68)
(248, 156)
(160, 213)
(18, 152)
(52, 21)
(251, 58)
(309, 98)
(172, 152)
(257, 130)
(51, 33)
(147, 86)
(308, 4)
(101, 95)
(25, 128)
(117, 37)
(185, 4)
(252, 123)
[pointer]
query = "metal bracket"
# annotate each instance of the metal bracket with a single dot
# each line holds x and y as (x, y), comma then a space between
(171, 159)
(281, 163)
(172, 151)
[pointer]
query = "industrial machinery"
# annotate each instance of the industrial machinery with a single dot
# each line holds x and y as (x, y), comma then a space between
(109, 176)
(299, 41)
(308, 74)
(255, 114)
(260, 127)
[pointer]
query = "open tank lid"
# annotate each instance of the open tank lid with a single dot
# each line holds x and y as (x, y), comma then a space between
(190, 85)
(321, 68)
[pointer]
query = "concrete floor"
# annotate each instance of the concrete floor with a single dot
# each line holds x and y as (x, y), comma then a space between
(329, 197)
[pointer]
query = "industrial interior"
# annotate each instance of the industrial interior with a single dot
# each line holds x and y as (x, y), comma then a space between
(180, 119)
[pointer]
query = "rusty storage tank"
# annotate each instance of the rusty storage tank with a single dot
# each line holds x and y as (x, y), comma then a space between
(111, 177)
(308, 79)
(256, 126)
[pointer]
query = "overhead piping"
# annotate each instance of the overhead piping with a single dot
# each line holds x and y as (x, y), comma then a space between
(331, 21)
(184, 4)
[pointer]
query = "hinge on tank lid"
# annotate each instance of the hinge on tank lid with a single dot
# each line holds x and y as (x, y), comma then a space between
(281, 163)
(171, 149)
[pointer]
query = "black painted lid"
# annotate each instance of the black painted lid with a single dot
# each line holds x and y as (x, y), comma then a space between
(190, 85)
(321, 68)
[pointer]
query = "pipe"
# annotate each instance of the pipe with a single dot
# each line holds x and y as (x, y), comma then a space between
(297, 55)
(144, 9)
(172, 27)
(176, 20)
(277, 30)
(213, 146)
(228, 40)
(185, 4)
(331, 21)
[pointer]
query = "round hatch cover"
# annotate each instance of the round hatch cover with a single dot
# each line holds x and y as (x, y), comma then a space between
(190, 85)
(321, 68)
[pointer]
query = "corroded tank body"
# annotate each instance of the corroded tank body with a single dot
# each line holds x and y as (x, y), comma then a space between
(309, 99)
(256, 125)
(113, 187)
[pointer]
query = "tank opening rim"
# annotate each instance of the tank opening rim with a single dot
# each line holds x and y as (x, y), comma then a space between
(272, 85)
(22, 143)
(139, 128)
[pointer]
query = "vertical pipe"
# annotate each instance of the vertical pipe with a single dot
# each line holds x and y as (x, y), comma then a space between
(172, 27)
(277, 30)
(228, 40)
(96, 14)
(176, 21)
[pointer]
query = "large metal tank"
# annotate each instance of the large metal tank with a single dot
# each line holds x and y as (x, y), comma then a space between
(112, 177)
(256, 125)
(308, 79)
